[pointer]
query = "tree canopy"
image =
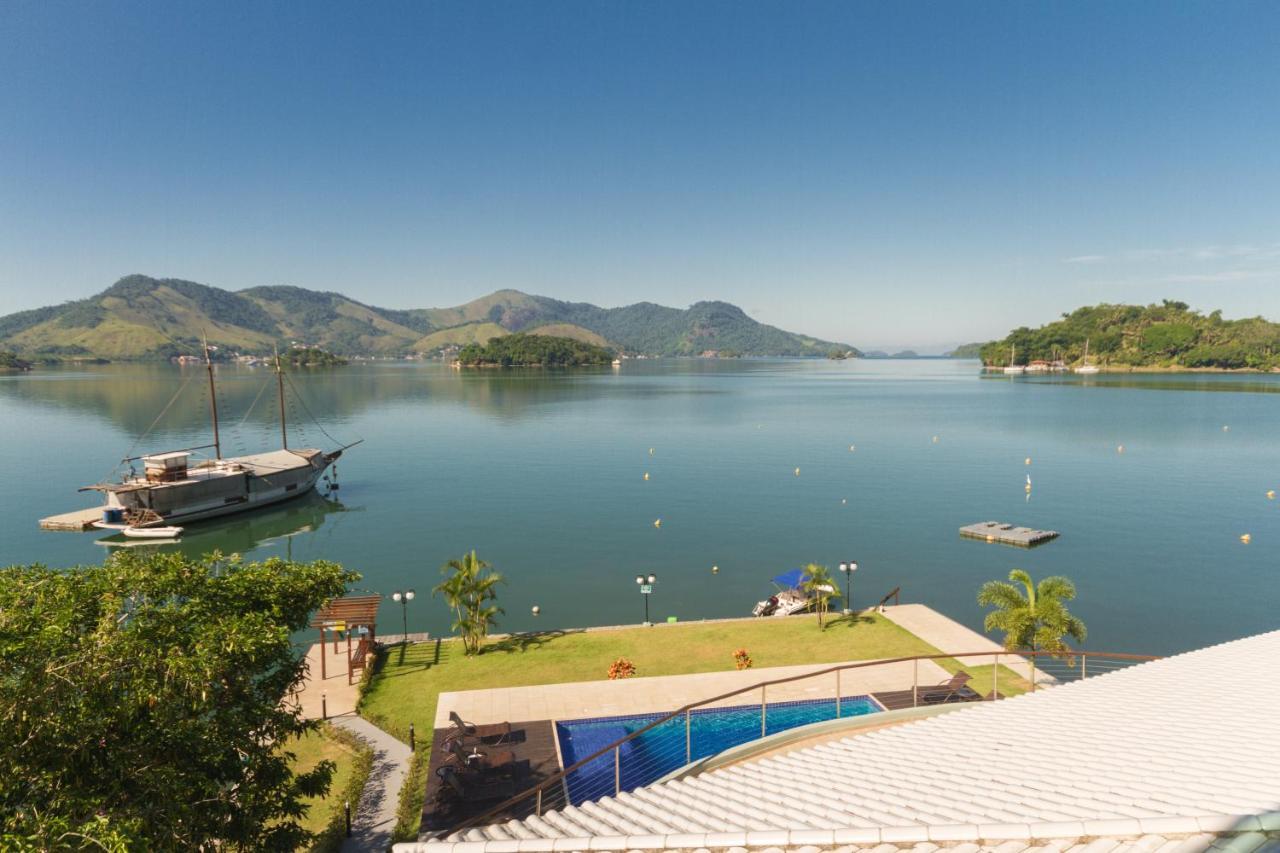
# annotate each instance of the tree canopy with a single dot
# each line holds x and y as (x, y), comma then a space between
(529, 350)
(1170, 334)
(143, 702)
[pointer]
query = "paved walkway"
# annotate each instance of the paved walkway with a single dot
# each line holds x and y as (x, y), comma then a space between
(375, 816)
(338, 696)
(950, 636)
(583, 699)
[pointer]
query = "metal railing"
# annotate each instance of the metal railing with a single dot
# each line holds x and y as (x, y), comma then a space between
(894, 594)
(640, 749)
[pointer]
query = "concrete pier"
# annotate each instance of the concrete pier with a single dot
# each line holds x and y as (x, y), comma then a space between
(78, 521)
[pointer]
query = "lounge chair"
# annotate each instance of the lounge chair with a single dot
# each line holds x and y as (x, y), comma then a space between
(473, 759)
(475, 789)
(952, 690)
(491, 733)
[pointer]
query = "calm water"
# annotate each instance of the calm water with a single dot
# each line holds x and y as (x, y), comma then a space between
(542, 472)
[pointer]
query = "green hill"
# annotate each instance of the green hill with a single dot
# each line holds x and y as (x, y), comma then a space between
(146, 318)
(1170, 335)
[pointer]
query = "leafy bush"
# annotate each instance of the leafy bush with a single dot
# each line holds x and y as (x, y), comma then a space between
(621, 668)
(741, 659)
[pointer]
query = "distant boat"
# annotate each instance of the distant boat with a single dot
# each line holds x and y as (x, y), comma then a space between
(1014, 368)
(1086, 367)
(152, 532)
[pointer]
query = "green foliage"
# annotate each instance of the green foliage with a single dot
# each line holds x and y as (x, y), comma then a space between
(821, 587)
(1166, 335)
(10, 361)
(311, 357)
(966, 351)
(525, 350)
(470, 590)
(143, 701)
(1032, 616)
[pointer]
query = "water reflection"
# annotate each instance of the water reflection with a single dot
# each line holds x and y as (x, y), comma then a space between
(240, 534)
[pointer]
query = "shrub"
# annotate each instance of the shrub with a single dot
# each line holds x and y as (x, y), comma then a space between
(621, 668)
(741, 659)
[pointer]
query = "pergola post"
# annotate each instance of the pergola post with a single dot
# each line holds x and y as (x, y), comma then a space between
(323, 675)
(348, 657)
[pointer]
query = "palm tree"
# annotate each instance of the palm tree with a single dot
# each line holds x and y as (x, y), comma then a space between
(469, 590)
(820, 586)
(1033, 616)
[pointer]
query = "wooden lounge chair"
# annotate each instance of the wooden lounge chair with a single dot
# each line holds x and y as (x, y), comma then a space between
(491, 733)
(951, 690)
(475, 789)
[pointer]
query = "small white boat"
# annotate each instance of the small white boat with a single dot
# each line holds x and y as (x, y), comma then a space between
(1014, 368)
(1087, 367)
(152, 532)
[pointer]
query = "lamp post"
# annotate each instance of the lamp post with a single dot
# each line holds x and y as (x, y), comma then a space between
(847, 569)
(404, 598)
(646, 589)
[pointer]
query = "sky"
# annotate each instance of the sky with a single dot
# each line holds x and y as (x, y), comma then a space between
(883, 174)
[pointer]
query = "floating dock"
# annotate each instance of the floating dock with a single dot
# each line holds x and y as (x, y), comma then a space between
(1007, 534)
(78, 521)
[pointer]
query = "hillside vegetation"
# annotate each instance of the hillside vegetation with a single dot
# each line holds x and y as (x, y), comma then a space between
(147, 318)
(1168, 335)
(526, 350)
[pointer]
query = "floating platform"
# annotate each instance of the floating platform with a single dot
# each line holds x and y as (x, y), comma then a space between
(1007, 534)
(78, 521)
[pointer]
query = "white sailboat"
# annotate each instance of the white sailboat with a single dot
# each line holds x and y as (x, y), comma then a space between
(172, 490)
(1086, 367)
(1014, 368)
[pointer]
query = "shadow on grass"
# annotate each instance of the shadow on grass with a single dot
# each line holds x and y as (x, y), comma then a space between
(406, 659)
(525, 642)
(851, 620)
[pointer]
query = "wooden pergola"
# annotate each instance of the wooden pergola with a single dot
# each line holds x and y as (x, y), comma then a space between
(345, 616)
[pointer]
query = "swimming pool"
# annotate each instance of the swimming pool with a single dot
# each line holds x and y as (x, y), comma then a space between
(660, 750)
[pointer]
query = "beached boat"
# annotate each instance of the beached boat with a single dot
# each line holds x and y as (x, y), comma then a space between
(1087, 368)
(790, 597)
(172, 487)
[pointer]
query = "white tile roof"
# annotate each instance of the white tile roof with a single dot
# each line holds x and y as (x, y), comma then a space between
(1172, 748)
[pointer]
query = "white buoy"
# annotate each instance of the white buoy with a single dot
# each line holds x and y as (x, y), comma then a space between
(852, 448)
(650, 451)
(646, 475)
(1271, 494)
(657, 522)
(1120, 449)
(844, 500)
(1226, 428)
(1028, 482)
(935, 439)
(535, 609)
(1027, 461)
(1246, 538)
(715, 570)
(797, 472)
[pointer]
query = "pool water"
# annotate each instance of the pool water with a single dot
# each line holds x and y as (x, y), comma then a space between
(661, 750)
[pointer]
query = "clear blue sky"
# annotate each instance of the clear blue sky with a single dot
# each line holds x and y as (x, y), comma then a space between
(880, 173)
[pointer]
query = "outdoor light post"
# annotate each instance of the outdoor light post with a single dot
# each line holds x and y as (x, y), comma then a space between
(847, 569)
(646, 589)
(404, 598)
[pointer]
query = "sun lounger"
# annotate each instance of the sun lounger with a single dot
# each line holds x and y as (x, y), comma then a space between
(475, 759)
(954, 689)
(494, 733)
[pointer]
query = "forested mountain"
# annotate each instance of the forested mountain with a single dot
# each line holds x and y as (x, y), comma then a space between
(1169, 335)
(141, 317)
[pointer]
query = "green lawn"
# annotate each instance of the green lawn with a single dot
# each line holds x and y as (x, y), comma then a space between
(309, 750)
(404, 689)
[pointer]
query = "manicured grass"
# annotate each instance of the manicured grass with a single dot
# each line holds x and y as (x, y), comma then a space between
(324, 816)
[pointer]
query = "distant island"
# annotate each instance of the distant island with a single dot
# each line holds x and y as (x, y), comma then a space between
(9, 361)
(525, 350)
(966, 351)
(143, 318)
(311, 357)
(1168, 336)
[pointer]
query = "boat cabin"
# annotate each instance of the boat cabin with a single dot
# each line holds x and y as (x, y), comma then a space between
(166, 467)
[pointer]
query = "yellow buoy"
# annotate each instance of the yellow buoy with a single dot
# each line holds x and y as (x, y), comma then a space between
(991, 538)
(1271, 495)
(657, 522)
(1246, 538)
(715, 570)
(935, 439)
(1027, 461)
(646, 475)
(797, 472)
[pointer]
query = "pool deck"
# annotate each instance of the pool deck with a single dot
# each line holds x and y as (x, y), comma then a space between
(585, 699)
(952, 637)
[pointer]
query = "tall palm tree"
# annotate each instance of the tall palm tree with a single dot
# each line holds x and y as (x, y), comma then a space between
(470, 590)
(1032, 615)
(820, 586)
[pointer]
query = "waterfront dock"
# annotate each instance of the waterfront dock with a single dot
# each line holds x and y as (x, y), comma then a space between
(1007, 534)
(78, 521)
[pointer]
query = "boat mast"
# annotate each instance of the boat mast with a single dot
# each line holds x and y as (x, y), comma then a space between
(213, 398)
(284, 436)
